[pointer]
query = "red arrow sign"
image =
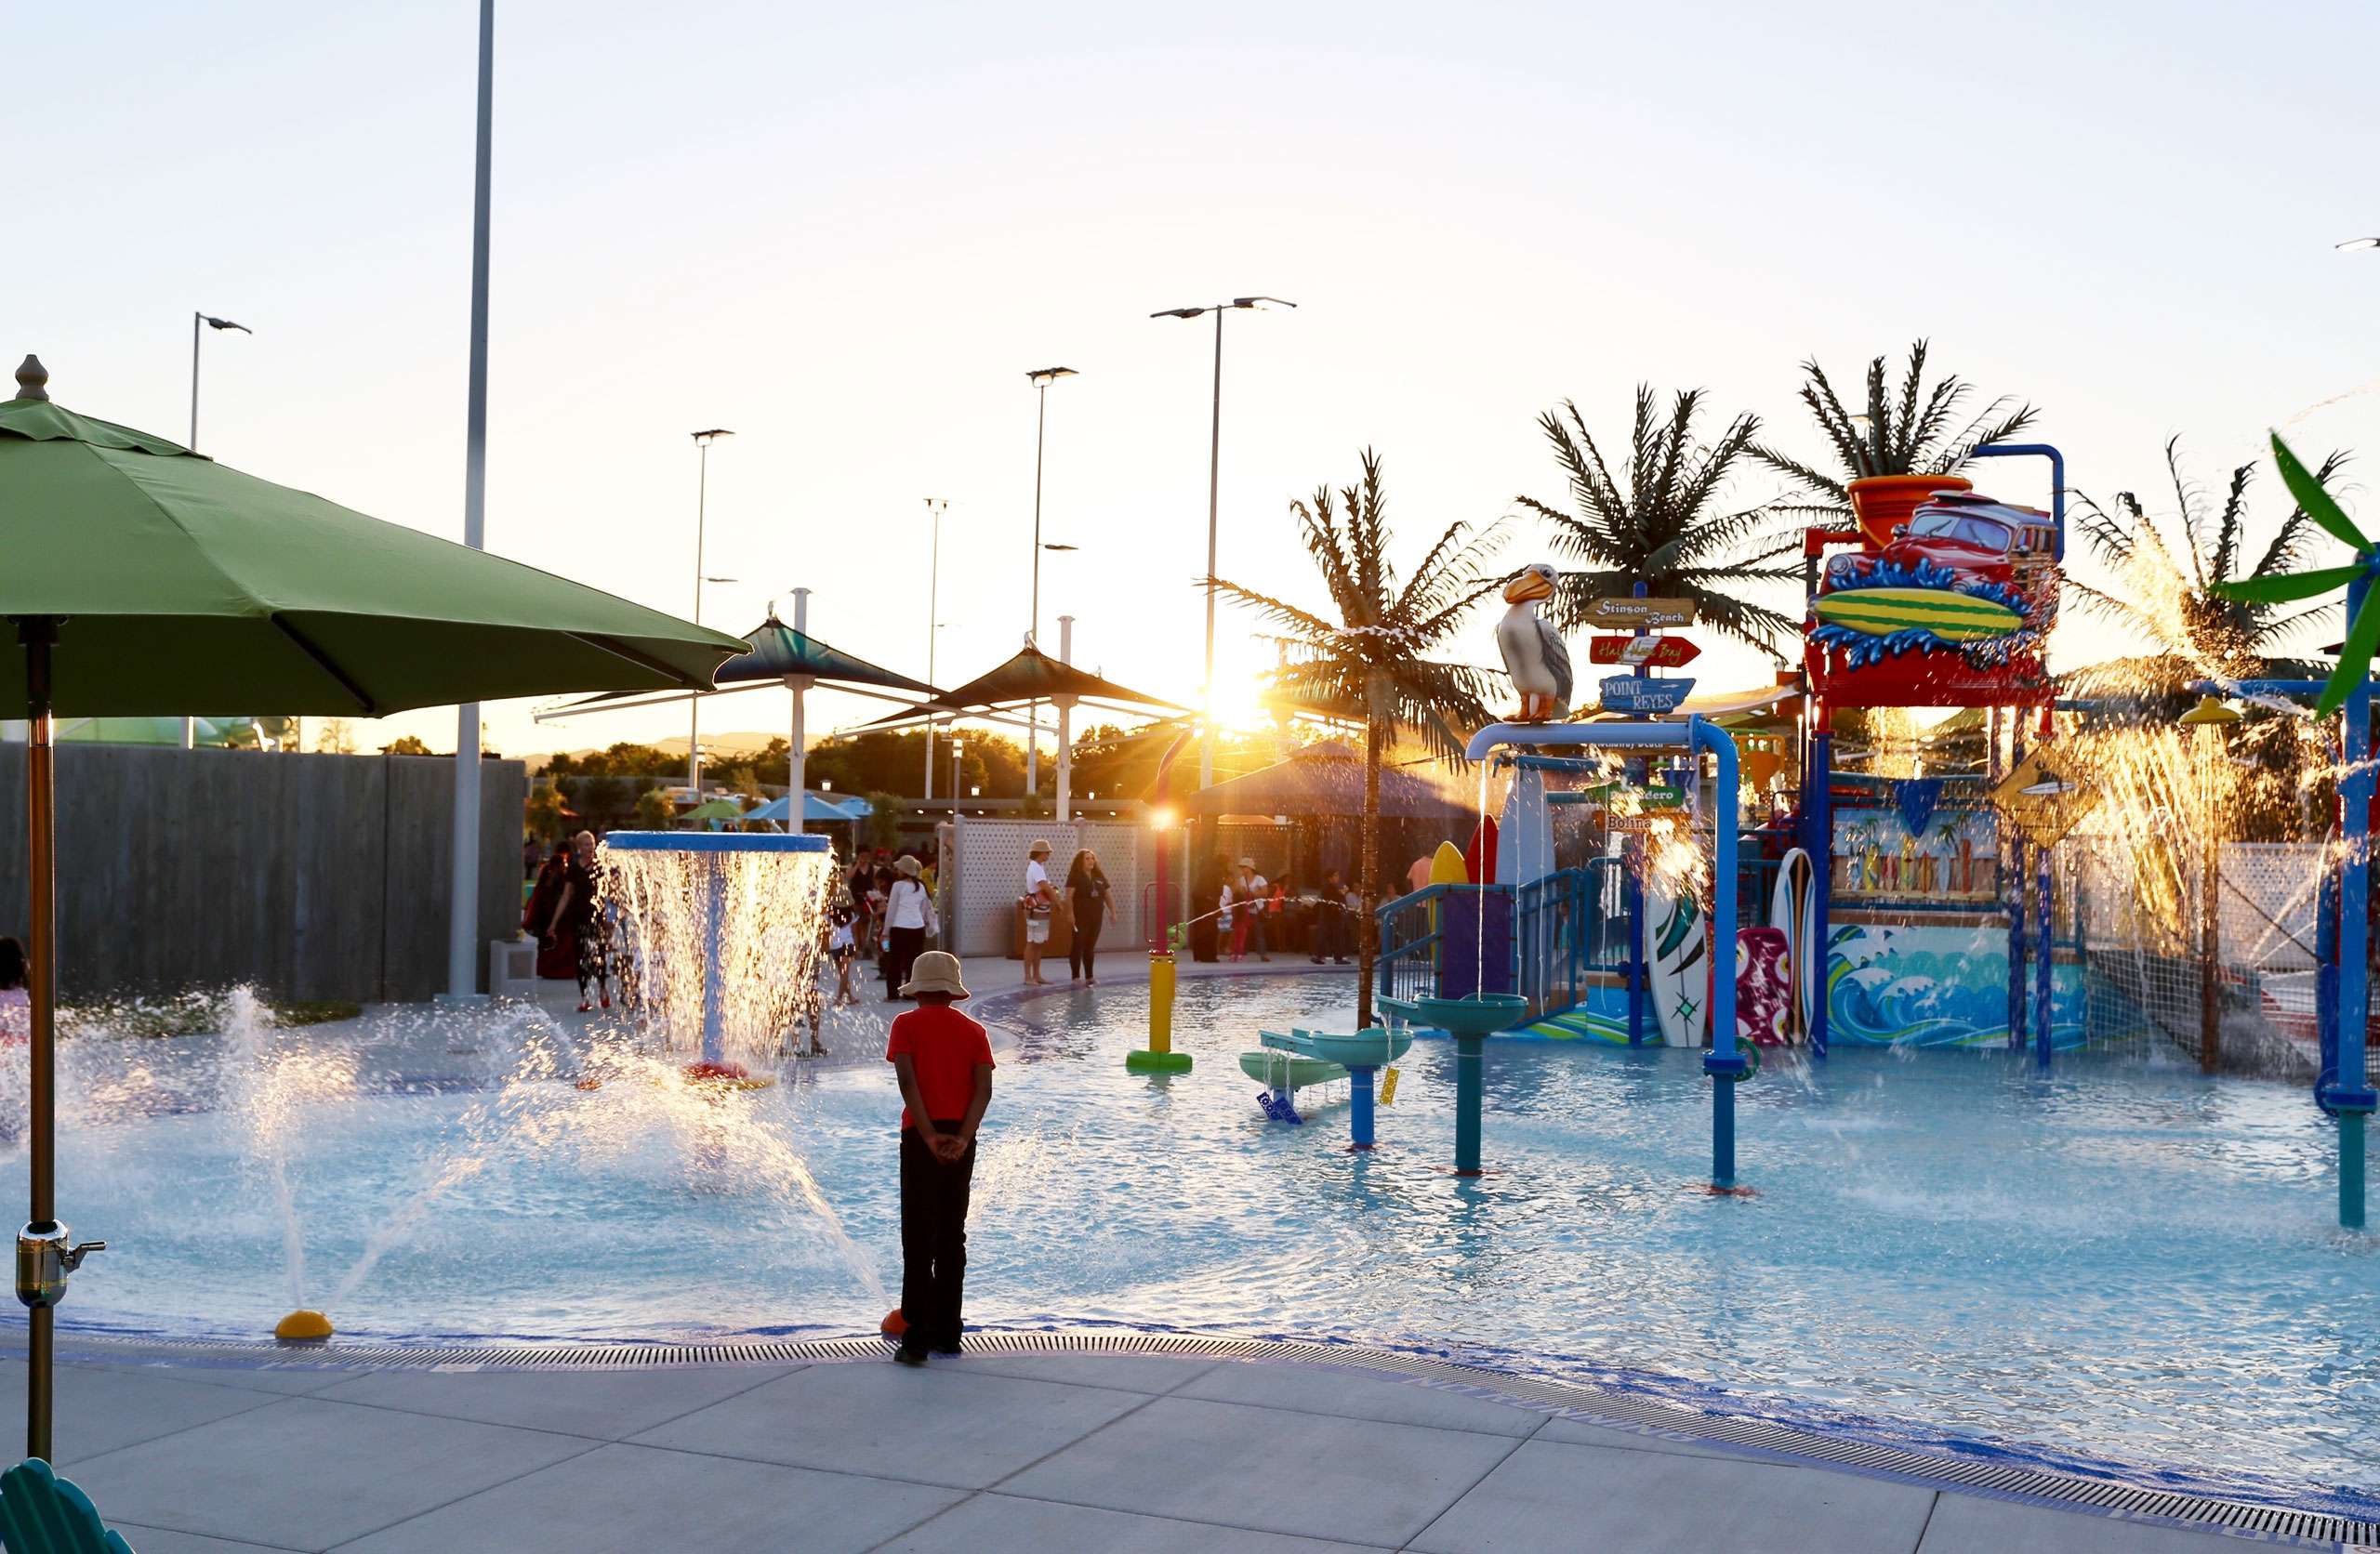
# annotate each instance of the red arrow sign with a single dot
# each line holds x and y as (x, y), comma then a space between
(1658, 653)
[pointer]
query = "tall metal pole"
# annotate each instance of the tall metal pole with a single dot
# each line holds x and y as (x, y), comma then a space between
(934, 505)
(694, 704)
(1214, 475)
(463, 911)
(1033, 632)
(195, 316)
(796, 758)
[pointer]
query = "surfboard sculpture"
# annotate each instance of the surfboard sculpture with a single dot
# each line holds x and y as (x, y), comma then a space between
(1792, 909)
(1680, 952)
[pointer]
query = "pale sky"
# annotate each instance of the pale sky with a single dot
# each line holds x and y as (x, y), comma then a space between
(847, 233)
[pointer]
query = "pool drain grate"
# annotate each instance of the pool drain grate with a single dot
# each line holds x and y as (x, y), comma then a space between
(1625, 1411)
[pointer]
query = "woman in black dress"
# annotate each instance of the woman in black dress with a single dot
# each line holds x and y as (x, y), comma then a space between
(1094, 906)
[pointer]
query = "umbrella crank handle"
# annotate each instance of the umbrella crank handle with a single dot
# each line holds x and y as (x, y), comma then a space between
(47, 1253)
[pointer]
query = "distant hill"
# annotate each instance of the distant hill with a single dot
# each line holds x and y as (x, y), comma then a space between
(716, 744)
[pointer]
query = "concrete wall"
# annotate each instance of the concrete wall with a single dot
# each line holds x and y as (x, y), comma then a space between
(311, 876)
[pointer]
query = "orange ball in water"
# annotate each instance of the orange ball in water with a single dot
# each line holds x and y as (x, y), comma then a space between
(894, 1324)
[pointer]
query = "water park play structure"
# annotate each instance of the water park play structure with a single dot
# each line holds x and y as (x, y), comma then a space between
(1865, 913)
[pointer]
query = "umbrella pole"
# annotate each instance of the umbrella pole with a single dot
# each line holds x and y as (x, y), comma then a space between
(41, 1232)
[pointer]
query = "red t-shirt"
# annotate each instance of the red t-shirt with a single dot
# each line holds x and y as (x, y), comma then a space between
(943, 1048)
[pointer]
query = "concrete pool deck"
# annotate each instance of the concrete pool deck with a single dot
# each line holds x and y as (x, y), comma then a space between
(1037, 1453)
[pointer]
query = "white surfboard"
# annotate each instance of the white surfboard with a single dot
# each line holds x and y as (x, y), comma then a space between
(1677, 945)
(1793, 909)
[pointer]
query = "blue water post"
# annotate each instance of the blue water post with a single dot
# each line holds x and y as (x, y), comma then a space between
(1723, 1063)
(1359, 1105)
(714, 959)
(1818, 840)
(1469, 1080)
(2352, 1097)
(2042, 1034)
(2326, 978)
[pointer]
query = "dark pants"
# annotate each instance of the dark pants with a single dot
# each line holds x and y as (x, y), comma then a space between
(1330, 932)
(1085, 942)
(933, 1238)
(902, 946)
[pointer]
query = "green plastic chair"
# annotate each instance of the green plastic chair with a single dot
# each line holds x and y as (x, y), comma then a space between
(41, 1513)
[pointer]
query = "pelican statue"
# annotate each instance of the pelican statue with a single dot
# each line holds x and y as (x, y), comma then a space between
(1533, 652)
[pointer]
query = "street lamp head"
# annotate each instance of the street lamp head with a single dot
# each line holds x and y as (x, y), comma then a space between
(1180, 314)
(1054, 545)
(1045, 377)
(214, 322)
(1260, 302)
(704, 437)
(2359, 243)
(722, 580)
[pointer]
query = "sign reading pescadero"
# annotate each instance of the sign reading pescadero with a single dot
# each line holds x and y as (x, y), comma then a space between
(1610, 612)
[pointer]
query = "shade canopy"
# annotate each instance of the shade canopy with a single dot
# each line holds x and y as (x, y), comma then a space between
(181, 583)
(716, 808)
(1030, 675)
(1325, 779)
(776, 650)
(816, 810)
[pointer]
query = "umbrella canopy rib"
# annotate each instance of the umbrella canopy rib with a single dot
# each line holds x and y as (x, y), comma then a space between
(323, 660)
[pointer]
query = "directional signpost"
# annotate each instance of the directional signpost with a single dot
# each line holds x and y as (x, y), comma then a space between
(1630, 694)
(1652, 652)
(1634, 614)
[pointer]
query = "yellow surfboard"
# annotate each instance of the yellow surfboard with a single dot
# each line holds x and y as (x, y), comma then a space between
(1447, 865)
(1952, 617)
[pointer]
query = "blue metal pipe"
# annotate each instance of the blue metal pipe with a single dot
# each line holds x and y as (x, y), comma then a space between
(1723, 1063)
(1359, 1105)
(1818, 812)
(2326, 983)
(2042, 1033)
(2057, 477)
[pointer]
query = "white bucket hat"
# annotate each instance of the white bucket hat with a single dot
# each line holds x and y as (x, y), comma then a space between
(935, 971)
(907, 865)
(1040, 845)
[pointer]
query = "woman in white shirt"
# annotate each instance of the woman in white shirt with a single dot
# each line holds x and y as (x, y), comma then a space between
(908, 913)
(1040, 902)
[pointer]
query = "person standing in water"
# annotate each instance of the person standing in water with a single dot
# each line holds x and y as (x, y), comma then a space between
(942, 1063)
(1094, 906)
(1041, 904)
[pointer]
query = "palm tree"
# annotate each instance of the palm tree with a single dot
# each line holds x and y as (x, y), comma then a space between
(1918, 434)
(1371, 648)
(2164, 588)
(1664, 528)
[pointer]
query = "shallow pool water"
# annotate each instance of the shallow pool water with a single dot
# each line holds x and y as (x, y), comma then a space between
(2122, 1260)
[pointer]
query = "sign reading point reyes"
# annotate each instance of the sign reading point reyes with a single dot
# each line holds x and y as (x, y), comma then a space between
(1628, 694)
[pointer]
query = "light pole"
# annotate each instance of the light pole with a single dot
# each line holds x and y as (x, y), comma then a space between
(1214, 472)
(703, 441)
(1040, 379)
(189, 725)
(212, 323)
(463, 903)
(935, 508)
(958, 752)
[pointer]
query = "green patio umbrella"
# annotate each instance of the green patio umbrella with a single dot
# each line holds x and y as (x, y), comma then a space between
(143, 579)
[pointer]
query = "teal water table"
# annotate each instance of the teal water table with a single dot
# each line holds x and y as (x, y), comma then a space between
(1470, 1021)
(1361, 1057)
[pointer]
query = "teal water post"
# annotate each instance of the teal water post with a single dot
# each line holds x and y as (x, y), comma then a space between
(1470, 1079)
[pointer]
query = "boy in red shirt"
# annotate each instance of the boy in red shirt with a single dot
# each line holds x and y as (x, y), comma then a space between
(944, 1062)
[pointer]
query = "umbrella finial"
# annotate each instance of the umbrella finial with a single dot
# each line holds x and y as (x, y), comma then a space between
(32, 378)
